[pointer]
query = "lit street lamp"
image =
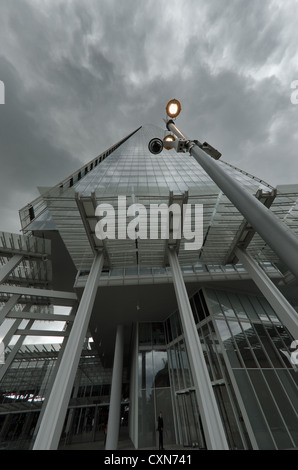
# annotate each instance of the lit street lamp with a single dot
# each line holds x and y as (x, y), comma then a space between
(173, 108)
(275, 233)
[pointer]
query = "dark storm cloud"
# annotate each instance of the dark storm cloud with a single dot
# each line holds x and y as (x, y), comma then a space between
(251, 30)
(26, 155)
(81, 75)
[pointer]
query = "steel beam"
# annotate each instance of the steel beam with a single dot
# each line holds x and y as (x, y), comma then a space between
(60, 297)
(9, 266)
(284, 310)
(115, 398)
(212, 424)
(51, 425)
(10, 304)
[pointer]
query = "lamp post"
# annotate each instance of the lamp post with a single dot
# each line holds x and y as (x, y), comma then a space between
(275, 233)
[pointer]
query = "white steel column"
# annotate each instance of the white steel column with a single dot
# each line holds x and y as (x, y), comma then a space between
(284, 310)
(10, 266)
(212, 424)
(10, 304)
(54, 415)
(133, 391)
(13, 353)
(116, 389)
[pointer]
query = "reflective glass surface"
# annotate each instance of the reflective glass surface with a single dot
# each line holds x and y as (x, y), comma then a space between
(257, 347)
(154, 392)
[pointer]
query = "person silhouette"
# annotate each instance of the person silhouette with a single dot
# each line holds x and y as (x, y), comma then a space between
(160, 430)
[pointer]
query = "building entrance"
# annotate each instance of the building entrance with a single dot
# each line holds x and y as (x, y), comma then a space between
(190, 429)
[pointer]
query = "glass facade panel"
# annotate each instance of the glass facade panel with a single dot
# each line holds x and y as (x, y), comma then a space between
(258, 308)
(288, 409)
(146, 375)
(271, 412)
(253, 409)
(225, 304)
(213, 302)
(269, 311)
(174, 327)
(180, 366)
(237, 306)
(154, 385)
(280, 341)
(248, 308)
(163, 400)
(257, 348)
(244, 348)
(194, 310)
(274, 355)
(289, 379)
(228, 417)
(199, 307)
(209, 345)
(255, 345)
(227, 337)
(160, 369)
(146, 419)
(185, 365)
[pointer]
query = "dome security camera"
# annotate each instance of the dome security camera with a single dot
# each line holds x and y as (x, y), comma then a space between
(155, 146)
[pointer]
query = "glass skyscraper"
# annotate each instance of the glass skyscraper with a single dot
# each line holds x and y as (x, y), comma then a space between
(198, 334)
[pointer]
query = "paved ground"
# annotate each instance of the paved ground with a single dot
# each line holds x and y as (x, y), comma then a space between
(124, 444)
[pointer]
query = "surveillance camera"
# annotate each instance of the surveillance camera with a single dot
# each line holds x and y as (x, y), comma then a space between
(155, 146)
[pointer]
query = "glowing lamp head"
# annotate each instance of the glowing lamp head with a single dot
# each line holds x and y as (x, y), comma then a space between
(173, 108)
(167, 140)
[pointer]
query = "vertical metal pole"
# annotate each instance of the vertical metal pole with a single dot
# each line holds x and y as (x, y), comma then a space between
(279, 237)
(284, 310)
(212, 424)
(133, 391)
(115, 399)
(54, 415)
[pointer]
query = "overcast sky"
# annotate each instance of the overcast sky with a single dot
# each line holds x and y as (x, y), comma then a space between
(80, 75)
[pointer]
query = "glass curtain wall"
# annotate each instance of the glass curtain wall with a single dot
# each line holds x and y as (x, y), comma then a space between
(154, 392)
(22, 393)
(187, 416)
(190, 431)
(257, 347)
(247, 353)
